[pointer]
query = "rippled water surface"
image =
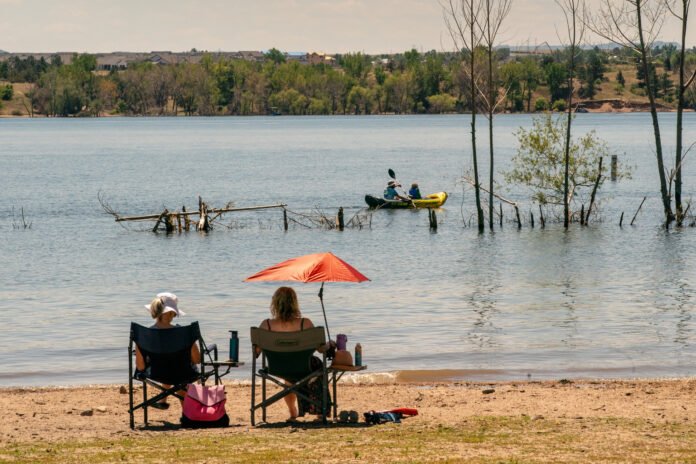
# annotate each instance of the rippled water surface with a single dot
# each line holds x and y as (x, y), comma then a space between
(599, 301)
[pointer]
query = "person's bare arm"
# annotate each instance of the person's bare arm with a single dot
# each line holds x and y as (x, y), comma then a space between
(139, 360)
(195, 354)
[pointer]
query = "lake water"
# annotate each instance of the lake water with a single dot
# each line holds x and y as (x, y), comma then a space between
(599, 301)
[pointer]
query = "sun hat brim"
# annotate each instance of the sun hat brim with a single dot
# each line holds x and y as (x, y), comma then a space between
(168, 309)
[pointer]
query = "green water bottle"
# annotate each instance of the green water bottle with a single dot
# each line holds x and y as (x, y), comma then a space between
(358, 355)
(234, 346)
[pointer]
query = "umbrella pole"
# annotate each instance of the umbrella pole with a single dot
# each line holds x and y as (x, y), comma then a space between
(321, 299)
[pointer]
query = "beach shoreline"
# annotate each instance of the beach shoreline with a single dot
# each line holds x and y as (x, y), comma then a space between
(636, 420)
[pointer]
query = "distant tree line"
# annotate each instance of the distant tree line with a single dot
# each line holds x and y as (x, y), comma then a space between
(407, 83)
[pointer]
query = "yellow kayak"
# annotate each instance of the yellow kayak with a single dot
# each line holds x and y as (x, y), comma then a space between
(434, 200)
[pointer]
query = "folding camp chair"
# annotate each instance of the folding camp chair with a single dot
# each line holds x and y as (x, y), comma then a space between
(287, 356)
(167, 354)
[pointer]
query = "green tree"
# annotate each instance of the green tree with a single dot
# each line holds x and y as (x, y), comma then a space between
(539, 162)
(6, 92)
(512, 77)
(195, 90)
(442, 103)
(289, 101)
(541, 104)
(359, 100)
(356, 65)
(620, 79)
(276, 56)
(531, 77)
(556, 77)
(398, 92)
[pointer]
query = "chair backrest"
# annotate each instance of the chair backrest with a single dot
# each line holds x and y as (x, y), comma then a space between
(167, 352)
(288, 354)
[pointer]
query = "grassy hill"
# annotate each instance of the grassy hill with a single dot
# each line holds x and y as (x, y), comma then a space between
(19, 104)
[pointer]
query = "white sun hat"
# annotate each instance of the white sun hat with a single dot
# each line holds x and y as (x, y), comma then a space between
(170, 302)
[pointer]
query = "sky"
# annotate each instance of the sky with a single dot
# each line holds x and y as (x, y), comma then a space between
(330, 26)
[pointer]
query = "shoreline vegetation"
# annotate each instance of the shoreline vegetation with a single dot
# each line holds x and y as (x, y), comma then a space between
(276, 83)
(509, 422)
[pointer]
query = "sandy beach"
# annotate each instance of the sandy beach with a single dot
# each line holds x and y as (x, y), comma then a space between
(554, 421)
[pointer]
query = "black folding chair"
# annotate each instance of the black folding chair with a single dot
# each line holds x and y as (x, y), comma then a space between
(287, 356)
(167, 354)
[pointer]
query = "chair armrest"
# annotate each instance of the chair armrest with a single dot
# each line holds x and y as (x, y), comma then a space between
(214, 349)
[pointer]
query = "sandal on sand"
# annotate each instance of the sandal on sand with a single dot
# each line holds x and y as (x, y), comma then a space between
(291, 420)
(160, 405)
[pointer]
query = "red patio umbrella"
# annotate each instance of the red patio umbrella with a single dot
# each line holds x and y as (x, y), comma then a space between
(318, 267)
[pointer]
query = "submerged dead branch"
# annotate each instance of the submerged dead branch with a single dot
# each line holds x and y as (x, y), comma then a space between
(22, 224)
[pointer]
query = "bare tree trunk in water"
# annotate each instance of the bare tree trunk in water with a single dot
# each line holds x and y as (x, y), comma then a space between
(636, 24)
(571, 10)
(683, 17)
(462, 20)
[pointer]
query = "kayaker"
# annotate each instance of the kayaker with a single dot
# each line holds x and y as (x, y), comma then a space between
(390, 192)
(414, 193)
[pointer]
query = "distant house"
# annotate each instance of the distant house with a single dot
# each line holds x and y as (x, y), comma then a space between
(112, 63)
(319, 58)
(162, 58)
(252, 56)
(65, 57)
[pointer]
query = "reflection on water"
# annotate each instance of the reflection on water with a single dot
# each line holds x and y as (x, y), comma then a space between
(531, 303)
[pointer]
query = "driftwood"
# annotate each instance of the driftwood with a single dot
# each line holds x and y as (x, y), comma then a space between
(181, 220)
(638, 210)
(621, 220)
(204, 221)
(185, 213)
(159, 219)
(594, 189)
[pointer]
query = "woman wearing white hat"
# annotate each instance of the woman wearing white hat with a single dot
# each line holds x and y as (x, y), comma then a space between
(163, 309)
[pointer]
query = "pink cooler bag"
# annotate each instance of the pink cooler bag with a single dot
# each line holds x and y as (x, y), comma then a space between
(205, 407)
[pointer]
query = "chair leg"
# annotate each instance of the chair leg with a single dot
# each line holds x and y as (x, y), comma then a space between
(144, 401)
(131, 355)
(335, 398)
(263, 398)
(324, 392)
(130, 402)
(253, 391)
